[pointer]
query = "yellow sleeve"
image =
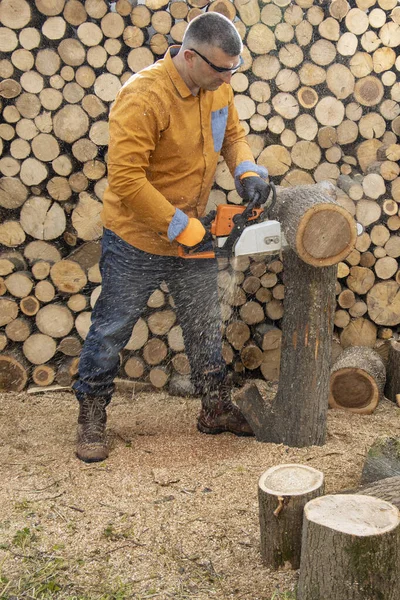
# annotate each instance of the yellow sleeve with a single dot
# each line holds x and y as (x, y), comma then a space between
(235, 148)
(134, 130)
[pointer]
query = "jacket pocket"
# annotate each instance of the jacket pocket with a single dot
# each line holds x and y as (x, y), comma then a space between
(218, 125)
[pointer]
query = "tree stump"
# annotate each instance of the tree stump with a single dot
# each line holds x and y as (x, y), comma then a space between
(350, 549)
(357, 380)
(283, 491)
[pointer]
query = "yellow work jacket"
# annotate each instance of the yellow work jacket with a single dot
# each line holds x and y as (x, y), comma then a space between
(164, 148)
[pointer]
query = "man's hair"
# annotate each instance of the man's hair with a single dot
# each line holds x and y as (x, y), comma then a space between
(213, 29)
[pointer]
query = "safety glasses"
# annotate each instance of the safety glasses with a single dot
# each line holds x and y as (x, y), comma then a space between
(219, 69)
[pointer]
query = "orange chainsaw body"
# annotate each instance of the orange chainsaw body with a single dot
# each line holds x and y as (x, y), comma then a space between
(223, 223)
(220, 227)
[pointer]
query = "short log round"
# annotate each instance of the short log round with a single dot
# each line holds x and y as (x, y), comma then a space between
(350, 549)
(357, 380)
(283, 491)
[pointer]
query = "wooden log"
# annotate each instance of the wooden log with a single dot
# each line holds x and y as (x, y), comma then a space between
(352, 188)
(315, 210)
(155, 351)
(251, 313)
(392, 387)
(175, 339)
(161, 322)
(346, 298)
(134, 367)
(18, 330)
(8, 310)
(42, 219)
(29, 305)
(283, 491)
(357, 380)
(268, 337)
(368, 212)
(359, 332)
(159, 376)
(13, 193)
(43, 375)
(19, 284)
(251, 356)
(70, 346)
(68, 276)
(271, 364)
(3, 341)
(356, 526)
(54, 320)
(86, 217)
(383, 301)
(386, 489)
(82, 323)
(139, 336)
(13, 373)
(237, 333)
(342, 318)
(382, 460)
(306, 341)
(360, 279)
(39, 348)
(41, 269)
(181, 365)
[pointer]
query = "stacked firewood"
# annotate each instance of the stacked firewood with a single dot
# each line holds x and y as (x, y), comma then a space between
(319, 99)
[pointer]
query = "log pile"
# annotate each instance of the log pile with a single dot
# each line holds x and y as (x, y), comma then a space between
(319, 99)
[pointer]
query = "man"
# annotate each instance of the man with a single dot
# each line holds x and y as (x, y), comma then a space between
(168, 126)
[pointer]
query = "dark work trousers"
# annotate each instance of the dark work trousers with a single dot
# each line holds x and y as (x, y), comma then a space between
(129, 277)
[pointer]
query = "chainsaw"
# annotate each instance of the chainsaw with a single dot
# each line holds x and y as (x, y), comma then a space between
(238, 231)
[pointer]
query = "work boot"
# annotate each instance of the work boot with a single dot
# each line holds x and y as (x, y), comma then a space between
(92, 444)
(219, 414)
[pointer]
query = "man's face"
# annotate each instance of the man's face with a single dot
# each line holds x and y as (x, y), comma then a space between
(205, 75)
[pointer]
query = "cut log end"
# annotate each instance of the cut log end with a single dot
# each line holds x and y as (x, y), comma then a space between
(290, 480)
(357, 380)
(13, 375)
(336, 242)
(354, 514)
(353, 389)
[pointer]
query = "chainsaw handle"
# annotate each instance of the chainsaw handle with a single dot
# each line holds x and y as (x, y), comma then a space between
(208, 219)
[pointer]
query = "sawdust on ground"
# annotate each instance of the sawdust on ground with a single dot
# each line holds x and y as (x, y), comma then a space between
(171, 514)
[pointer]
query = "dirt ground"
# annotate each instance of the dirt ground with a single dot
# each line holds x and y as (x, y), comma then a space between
(171, 514)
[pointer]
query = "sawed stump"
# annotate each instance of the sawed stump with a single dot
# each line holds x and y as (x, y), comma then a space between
(350, 549)
(283, 491)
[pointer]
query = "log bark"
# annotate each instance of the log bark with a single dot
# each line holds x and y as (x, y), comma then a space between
(386, 489)
(357, 380)
(382, 460)
(306, 340)
(365, 535)
(283, 491)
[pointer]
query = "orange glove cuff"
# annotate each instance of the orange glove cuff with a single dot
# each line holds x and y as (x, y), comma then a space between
(249, 174)
(192, 234)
